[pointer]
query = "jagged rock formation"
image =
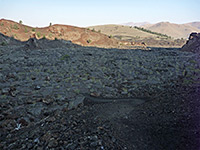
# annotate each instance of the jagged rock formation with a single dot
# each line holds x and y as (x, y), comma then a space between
(193, 43)
(34, 43)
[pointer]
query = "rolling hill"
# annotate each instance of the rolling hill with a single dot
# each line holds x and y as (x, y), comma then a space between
(172, 29)
(122, 32)
(194, 24)
(138, 35)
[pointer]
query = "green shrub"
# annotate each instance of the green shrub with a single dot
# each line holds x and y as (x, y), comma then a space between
(99, 31)
(65, 57)
(25, 30)
(14, 27)
(3, 43)
(93, 30)
(20, 22)
(50, 35)
(33, 29)
(38, 34)
(44, 37)
(2, 24)
(149, 31)
(56, 38)
(110, 36)
(50, 24)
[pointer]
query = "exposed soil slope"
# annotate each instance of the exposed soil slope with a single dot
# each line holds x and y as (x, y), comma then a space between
(77, 35)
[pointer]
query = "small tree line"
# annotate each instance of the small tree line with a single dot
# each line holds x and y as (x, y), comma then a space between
(152, 32)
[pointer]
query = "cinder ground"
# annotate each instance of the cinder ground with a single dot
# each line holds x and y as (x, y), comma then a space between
(51, 98)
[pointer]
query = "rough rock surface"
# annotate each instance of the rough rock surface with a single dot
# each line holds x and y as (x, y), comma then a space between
(44, 43)
(42, 93)
(5, 40)
(193, 43)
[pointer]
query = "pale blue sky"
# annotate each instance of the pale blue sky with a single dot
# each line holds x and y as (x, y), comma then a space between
(90, 12)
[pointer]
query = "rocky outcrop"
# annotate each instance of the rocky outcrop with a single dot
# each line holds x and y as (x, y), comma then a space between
(32, 43)
(193, 43)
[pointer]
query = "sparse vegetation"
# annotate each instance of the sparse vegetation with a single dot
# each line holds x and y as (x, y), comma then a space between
(99, 31)
(15, 26)
(38, 34)
(20, 21)
(64, 57)
(89, 41)
(110, 36)
(25, 30)
(2, 24)
(93, 30)
(149, 31)
(3, 43)
(137, 37)
(33, 29)
(50, 35)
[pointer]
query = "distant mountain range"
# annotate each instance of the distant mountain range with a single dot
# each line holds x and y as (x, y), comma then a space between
(170, 29)
(138, 24)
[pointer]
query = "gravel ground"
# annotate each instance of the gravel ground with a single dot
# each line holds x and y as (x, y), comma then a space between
(43, 93)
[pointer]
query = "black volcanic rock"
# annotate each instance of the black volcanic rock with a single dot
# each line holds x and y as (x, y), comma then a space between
(32, 43)
(5, 40)
(193, 43)
(44, 43)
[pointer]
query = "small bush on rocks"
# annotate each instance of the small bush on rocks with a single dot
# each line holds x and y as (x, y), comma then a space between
(38, 34)
(64, 57)
(89, 41)
(110, 36)
(3, 43)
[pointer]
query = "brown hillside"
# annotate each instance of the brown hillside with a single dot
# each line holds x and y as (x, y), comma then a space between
(124, 32)
(133, 35)
(172, 29)
(81, 36)
(194, 24)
